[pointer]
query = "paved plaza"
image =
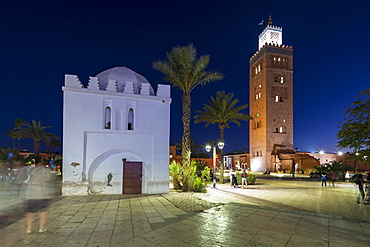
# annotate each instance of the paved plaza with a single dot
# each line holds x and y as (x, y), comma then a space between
(274, 212)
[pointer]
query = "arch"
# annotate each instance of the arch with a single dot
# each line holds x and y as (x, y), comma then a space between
(96, 163)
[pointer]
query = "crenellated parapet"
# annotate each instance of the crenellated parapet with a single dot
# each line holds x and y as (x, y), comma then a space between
(272, 46)
(73, 81)
(163, 90)
(270, 27)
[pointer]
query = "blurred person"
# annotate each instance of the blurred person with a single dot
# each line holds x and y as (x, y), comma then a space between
(359, 180)
(38, 194)
(245, 179)
(233, 179)
(323, 179)
(347, 176)
(19, 177)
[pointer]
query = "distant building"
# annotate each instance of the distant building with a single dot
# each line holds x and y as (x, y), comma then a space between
(115, 134)
(271, 99)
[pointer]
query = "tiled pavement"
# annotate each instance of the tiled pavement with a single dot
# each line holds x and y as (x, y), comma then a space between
(271, 213)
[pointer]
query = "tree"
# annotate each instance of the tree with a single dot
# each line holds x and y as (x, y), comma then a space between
(184, 70)
(36, 132)
(13, 132)
(195, 148)
(354, 132)
(222, 110)
(53, 143)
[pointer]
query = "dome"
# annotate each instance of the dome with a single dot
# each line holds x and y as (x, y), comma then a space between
(122, 75)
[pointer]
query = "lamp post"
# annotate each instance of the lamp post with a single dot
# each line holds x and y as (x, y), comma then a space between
(208, 149)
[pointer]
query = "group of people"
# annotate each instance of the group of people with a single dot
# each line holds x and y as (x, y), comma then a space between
(363, 183)
(234, 181)
(35, 184)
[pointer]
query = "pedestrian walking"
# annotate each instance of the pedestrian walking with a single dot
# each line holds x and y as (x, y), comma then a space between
(233, 179)
(245, 179)
(38, 194)
(347, 177)
(323, 179)
(332, 179)
(359, 180)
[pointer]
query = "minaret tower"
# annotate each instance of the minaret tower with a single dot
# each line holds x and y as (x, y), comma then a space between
(271, 99)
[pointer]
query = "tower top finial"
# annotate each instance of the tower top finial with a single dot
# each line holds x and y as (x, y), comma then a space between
(270, 20)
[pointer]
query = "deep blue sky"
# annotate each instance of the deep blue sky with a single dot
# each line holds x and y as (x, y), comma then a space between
(43, 40)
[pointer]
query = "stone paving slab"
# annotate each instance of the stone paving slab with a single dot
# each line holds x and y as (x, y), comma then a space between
(263, 215)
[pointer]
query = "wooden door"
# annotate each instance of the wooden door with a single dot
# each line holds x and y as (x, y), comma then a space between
(131, 177)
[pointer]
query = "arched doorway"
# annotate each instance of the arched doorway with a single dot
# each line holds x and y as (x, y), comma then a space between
(110, 162)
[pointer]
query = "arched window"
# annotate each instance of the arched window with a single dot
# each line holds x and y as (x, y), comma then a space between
(278, 98)
(108, 116)
(130, 123)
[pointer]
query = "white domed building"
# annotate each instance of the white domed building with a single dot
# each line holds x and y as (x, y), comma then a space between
(115, 134)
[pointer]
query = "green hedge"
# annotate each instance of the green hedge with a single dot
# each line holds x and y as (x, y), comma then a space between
(251, 179)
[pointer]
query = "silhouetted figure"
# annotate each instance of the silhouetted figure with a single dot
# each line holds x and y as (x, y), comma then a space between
(323, 179)
(233, 179)
(359, 180)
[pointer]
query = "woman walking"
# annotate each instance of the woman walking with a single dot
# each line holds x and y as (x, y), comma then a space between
(244, 179)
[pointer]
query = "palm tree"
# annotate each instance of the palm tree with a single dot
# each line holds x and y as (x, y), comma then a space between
(35, 131)
(222, 110)
(52, 143)
(13, 132)
(184, 70)
(195, 149)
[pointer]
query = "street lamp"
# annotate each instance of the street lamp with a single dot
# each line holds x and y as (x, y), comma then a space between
(340, 153)
(208, 149)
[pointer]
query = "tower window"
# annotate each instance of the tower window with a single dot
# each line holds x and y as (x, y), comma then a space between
(279, 78)
(278, 99)
(130, 124)
(108, 115)
(279, 130)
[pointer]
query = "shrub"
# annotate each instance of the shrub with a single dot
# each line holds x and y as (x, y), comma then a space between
(175, 172)
(251, 179)
(189, 177)
(199, 185)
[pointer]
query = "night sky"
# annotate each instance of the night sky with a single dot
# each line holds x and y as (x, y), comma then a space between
(41, 41)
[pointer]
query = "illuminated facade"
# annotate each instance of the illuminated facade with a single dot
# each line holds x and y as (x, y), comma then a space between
(115, 134)
(271, 99)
